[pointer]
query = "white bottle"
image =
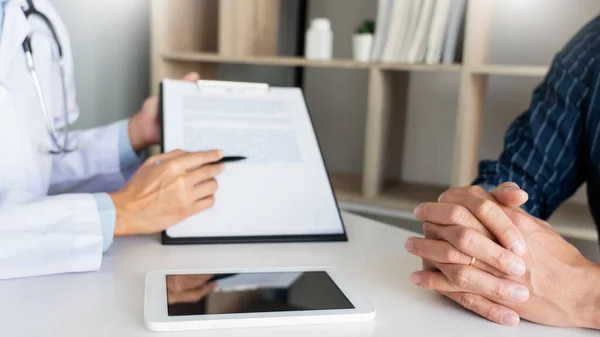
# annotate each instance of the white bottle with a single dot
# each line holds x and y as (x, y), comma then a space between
(319, 40)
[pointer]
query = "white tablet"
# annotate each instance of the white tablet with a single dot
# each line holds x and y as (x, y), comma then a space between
(213, 299)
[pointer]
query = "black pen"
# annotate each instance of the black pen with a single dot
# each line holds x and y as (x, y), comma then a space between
(229, 159)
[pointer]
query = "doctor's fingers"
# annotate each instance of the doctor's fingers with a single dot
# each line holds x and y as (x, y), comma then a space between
(191, 77)
(180, 283)
(459, 245)
(203, 173)
(458, 278)
(204, 189)
(163, 157)
(483, 307)
(192, 295)
(192, 161)
(199, 206)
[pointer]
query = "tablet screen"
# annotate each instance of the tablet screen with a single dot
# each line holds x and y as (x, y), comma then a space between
(203, 294)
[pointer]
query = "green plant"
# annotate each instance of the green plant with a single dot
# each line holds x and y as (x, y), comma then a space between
(366, 27)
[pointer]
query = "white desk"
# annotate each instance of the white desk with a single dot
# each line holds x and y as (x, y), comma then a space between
(110, 302)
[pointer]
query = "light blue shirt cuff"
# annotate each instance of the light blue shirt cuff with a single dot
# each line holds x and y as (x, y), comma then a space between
(108, 218)
(127, 156)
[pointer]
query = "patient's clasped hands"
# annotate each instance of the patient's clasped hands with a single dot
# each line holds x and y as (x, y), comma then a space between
(484, 252)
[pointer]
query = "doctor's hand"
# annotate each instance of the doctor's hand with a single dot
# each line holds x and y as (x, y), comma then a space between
(188, 288)
(557, 287)
(144, 128)
(167, 189)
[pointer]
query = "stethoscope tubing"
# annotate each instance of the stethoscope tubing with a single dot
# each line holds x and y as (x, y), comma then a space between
(28, 50)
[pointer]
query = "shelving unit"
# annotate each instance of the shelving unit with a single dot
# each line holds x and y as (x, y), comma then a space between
(186, 36)
(301, 62)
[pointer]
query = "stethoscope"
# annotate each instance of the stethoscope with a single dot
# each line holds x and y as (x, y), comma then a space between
(59, 148)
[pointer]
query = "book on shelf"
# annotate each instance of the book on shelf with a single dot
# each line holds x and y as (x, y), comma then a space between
(419, 31)
(398, 29)
(418, 45)
(437, 32)
(384, 13)
(413, 21)
(452, 50)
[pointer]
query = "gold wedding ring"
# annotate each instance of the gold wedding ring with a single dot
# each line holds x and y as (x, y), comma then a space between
(472, 262)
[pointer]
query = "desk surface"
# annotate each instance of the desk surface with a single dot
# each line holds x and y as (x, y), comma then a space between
(110, 302)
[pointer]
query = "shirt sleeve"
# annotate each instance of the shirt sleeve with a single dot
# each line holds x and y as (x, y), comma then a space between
(543, 147)
(128, 159)
(108, 218)
(103, 161)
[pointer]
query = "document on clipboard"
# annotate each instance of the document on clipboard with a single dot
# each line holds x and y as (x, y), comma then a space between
(280, 192)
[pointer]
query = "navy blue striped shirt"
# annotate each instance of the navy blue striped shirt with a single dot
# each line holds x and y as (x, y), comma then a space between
(552, 148)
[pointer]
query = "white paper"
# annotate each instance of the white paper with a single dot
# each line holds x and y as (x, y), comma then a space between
(281, 189)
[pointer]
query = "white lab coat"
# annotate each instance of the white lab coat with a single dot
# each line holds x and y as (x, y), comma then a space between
(49, 221)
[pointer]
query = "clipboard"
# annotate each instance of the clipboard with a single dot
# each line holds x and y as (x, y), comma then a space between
(236, 88)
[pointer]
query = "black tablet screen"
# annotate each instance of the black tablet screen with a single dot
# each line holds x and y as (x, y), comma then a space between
(253, 292)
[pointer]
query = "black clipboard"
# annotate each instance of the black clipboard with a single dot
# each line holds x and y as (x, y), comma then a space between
(167, 240)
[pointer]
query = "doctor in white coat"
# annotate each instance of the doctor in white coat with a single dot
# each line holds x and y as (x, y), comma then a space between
(59, 210)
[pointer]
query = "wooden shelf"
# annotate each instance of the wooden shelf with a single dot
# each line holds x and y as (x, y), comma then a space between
(418, 67)
(284, 61)
(510, 70)
(396, 199)
(400, 199)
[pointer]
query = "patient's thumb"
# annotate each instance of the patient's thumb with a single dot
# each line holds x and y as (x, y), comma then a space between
(509, 194)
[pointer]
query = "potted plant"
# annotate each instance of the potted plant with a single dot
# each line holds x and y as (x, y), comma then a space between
(362, 41)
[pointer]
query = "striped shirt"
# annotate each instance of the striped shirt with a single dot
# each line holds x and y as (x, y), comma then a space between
(554, 146)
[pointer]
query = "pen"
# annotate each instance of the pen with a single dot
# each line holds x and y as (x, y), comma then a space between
(229, 159)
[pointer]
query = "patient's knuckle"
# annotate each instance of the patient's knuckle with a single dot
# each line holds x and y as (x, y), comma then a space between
(458, 214)
(427, 282)
(484, 206)
(477, 191)
(460, 276)
(465, 239)
(452, 255)
(467, 300)
(493, 314)
(498, 290)
(501, 259)
(509, 233)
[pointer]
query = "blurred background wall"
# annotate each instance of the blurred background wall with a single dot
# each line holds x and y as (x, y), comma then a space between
(111, 39)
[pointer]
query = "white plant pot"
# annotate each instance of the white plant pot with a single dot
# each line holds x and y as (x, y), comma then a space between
(362, 44)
